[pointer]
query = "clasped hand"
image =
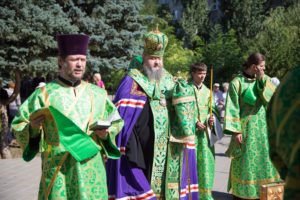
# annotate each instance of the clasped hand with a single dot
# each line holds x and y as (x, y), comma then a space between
(200, 126)
(238, 138)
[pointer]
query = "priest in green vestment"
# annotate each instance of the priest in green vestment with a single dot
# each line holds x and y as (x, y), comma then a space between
(57, 119)
(245, 119)
(283, 125)
(205, 152)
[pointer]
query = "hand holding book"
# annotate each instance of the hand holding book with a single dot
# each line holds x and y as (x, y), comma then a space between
(100, 125)
(101, 128)
(105, 124)
(102, 133)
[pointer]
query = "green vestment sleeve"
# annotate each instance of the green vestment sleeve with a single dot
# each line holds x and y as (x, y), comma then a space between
(108, 143)
(232, 121)
(266, 89)
(21, 128)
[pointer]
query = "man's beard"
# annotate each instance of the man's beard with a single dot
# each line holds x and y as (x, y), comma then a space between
(70, 75)
(153, 74)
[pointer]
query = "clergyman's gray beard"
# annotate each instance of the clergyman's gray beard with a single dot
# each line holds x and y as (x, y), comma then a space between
(153, 74)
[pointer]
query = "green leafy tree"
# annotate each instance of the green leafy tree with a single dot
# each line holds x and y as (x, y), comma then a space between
(27, 34)
(115, 29)
(150, 8)
(117, 76)
(178, 59)
(274, 4)
(279, 41)
(222, 53)
(244, 16)
(195, 20)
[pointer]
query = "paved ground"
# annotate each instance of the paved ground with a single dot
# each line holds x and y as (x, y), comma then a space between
(221, 170)
(20, 180)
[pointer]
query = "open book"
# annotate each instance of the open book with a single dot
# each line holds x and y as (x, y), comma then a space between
(105, 124)
(100, 124)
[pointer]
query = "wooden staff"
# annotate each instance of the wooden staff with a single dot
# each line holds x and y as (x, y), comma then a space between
(211, 94)
(187, 171)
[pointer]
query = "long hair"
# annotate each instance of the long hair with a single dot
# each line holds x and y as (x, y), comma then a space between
(255, 58)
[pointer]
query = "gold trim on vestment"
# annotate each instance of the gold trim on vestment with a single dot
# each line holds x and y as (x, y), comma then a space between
(89, 120)
(238, 86)
(44, 93)
(233, 131)
(43, 171)
(183, 139)
(183, 100)
(270, 85)
(47, 113)
(47, 104)
(20, 124)
(233, 119)
(272, 88)
(56, 172)
(102, 115)
(256, 181)
(26, 131)
(265, 97)
(155, 180)
(172, 185)
(47, 154)
(204, 191)
(133, 73)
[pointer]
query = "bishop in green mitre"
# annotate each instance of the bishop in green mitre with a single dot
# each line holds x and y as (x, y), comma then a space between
(151, 166)
(245, 119)
(57, 119)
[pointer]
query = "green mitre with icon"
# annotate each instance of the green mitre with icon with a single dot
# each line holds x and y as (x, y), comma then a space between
(155, 43)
